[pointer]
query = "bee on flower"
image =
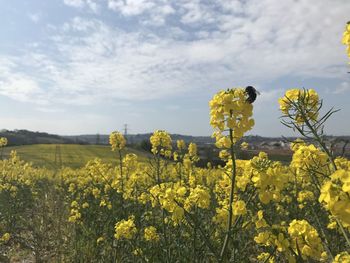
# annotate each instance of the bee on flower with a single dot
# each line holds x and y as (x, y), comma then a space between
(230, 111)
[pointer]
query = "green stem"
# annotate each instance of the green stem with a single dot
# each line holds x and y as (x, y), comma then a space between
(230, 212)
(271, 255)
(121, 169)
(122, 181)
(194, 242)
(196, 224)
(318, 138)
(343, 231)
(322, 232)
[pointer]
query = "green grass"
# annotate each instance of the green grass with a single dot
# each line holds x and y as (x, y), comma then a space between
(72, 155)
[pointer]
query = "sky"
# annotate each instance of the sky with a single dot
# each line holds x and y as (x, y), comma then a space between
(90, 66)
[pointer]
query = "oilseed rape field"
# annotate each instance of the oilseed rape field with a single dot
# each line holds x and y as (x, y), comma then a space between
(168, 210)
(164, 208)
(54, 156)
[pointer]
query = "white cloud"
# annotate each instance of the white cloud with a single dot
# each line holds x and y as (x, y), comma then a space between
(90, 4)
(194, 11)
(75, 3)
(79, 24)
(35, 17)
(130, 7)
(202, 46)
(19, 88)
(93, 6)
(343, 88)
(50, 109)
(149, 12)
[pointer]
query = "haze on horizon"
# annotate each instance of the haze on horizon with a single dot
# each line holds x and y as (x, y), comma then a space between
(89, 66)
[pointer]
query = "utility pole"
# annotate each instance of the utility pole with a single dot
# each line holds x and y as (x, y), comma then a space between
(126, 133)
(98, 139)
(125, 130)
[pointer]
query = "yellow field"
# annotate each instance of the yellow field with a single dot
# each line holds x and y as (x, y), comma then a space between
(68, 155)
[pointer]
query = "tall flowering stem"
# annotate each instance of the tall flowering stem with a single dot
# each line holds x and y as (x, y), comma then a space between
(230, 117)
(3, 143)
(161, 147)
(230, 213)
(301, 112)
(118, 143)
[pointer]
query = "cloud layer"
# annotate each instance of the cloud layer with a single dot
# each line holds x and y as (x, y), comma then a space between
(154, 49)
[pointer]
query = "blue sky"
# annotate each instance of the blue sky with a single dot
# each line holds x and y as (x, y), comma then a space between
(89, 66)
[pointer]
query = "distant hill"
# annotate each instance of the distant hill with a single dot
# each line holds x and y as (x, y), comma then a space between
(24, 137)
(141, 141)
(137, 138)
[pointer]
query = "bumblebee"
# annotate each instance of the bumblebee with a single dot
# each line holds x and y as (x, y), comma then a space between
(252, 93)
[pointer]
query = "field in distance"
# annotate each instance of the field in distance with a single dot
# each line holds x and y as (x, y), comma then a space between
(69, 155)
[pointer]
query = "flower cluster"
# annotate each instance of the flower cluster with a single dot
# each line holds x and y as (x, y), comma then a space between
(305, 240)
(150, 234)
(300, 105)
(342, 258)
(161, 143)
(3, 141)
(346, 38)
(335, 195)
(117, 141)
(308, 158)
(229, 110)
(5, 237)
(125, 229)
(269, 178)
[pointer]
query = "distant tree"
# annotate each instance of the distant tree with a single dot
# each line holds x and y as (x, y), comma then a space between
(146, 145)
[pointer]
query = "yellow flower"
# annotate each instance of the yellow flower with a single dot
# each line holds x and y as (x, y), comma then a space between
(261, 221)
(100, 239)
(192, 152)
(335, 195)
(161, 143)
(117, 141)
(125, 229)
(74, 215)
(181, 145)
(150, 234)
(281, 242)
(346, 38)
(229, 110)
(199, 197)
(305, 195)
(244, 145)
(306, 240)
(137, 252)
(3, 141)
(265, 238)
(239, 208)
(342, 257)
(224, 154)
(5, 237)
(264, 256)
(300, 104)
